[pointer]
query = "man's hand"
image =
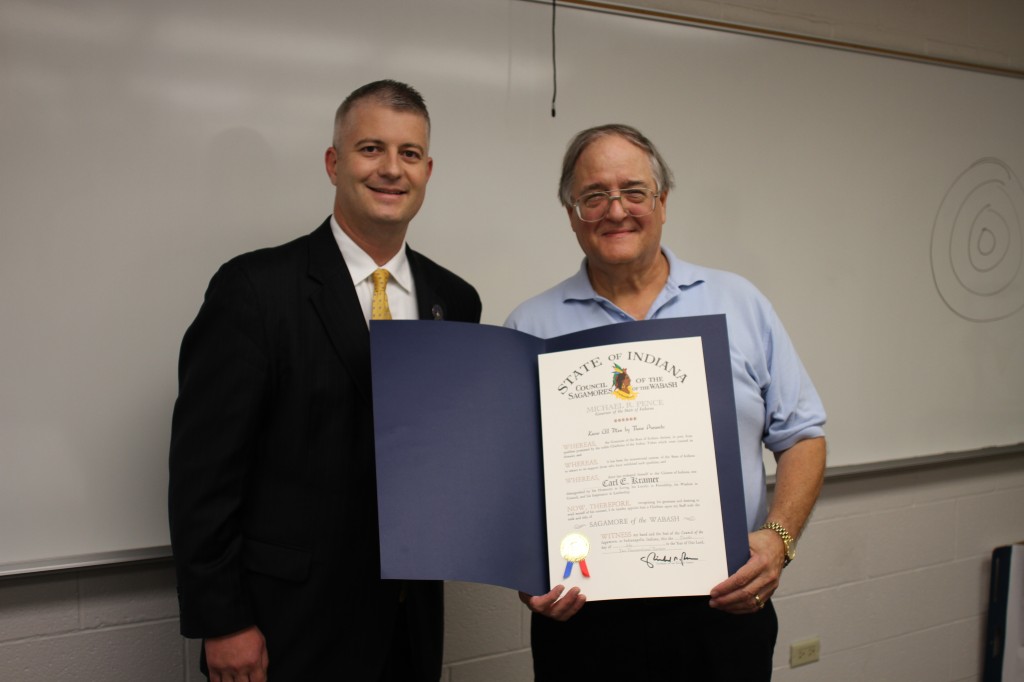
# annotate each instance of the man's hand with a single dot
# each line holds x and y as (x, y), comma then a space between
(239, 657)
(551, 606)
(798, 478)
(759, 577)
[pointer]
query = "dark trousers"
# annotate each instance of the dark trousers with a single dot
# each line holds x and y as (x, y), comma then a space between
(679, 638)
(403, 660)
(400, 665)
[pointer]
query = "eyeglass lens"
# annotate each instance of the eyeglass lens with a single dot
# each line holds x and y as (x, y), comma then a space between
(595, 206)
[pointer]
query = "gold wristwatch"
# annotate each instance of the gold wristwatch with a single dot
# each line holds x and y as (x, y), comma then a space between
(787, 540)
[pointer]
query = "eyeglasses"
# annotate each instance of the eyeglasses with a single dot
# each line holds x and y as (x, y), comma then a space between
(637, 202)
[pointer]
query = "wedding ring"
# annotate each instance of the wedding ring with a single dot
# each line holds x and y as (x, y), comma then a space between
(757, 600)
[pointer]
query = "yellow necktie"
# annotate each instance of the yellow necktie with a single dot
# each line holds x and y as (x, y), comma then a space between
(379, 309)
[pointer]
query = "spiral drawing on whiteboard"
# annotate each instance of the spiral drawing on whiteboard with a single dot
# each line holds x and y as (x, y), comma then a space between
(977, 251)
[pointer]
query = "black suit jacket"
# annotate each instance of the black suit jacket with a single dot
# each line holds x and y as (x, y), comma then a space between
(272, 495)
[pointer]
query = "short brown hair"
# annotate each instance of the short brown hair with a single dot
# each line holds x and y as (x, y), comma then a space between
(389, 93)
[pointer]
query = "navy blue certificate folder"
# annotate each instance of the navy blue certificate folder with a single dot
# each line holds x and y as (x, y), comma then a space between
(457, 422)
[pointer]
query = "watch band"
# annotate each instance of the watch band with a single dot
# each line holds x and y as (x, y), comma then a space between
(787, 540)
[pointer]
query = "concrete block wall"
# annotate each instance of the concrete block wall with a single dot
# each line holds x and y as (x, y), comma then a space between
(892, 576)
(117, 624)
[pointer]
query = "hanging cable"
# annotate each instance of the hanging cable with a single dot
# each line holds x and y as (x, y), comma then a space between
(554, 62)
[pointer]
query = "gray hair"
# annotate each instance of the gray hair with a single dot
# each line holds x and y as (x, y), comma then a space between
(662, 173)
(389, 93)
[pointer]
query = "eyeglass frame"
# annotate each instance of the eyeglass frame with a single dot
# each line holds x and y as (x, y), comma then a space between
(652, 193)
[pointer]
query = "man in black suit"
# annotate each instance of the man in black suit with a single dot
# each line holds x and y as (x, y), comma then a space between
(272, 496)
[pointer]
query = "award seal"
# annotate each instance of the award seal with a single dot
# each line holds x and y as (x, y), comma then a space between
(574, 549)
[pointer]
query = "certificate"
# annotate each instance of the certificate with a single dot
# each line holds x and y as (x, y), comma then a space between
(631, 483)
(607, 458)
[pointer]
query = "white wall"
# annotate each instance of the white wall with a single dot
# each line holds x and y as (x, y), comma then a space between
(892, 572)
(852, 166)
(984, 32)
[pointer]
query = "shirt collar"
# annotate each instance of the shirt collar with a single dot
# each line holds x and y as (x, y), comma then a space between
(361, 266)
(681, 275)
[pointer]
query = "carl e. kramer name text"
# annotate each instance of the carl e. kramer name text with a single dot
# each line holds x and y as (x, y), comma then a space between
(629, 480)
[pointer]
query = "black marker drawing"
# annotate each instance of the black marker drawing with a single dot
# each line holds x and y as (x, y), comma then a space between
(978, 243)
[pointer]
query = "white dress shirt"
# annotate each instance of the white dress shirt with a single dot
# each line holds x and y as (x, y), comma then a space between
(401, 289)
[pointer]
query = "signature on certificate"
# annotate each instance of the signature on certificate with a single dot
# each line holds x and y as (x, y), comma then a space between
(652, 559)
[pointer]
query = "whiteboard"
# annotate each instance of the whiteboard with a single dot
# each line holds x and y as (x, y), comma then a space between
(143, 144)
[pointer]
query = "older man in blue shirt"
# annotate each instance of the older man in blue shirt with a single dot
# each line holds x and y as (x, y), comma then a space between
(615, 187)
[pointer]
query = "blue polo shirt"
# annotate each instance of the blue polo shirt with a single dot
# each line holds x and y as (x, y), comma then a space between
(776, 403)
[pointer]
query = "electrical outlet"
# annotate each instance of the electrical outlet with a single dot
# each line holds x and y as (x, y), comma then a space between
(805, 651)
